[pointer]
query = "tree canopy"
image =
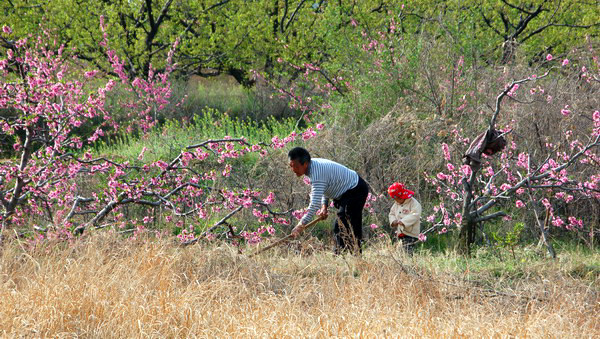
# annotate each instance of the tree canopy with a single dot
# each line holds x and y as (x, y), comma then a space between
(236, 36)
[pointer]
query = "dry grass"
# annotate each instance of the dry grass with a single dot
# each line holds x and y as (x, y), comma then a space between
(113, 288)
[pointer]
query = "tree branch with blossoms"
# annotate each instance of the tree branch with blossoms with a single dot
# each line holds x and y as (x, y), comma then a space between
(56, 179)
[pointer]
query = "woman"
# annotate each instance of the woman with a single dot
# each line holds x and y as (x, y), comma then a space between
(405, 215)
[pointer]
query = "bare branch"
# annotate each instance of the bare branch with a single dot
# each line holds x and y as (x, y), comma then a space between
(217, 224)
(294, 15)
(76, 203)
(505, 92)
(491, 216)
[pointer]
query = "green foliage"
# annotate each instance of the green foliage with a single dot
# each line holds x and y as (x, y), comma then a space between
(224, 94)
(510, 239)
(438, 243)
(237, 36)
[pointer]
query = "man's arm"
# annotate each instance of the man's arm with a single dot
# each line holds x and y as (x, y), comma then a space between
(316, 197)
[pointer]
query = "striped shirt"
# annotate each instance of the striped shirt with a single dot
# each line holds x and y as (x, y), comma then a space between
(329, 180)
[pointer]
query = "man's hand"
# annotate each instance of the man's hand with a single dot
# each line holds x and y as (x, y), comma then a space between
(297, 230)
(322, 213)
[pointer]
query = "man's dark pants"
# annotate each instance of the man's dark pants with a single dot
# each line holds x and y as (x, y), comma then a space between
(350, 206)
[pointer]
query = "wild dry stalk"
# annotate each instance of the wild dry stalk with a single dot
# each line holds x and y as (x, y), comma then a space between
(108, 288)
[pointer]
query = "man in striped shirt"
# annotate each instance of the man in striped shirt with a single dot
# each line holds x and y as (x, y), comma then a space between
(330, 180)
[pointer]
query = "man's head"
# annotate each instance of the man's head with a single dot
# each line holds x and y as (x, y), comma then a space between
(299, 160)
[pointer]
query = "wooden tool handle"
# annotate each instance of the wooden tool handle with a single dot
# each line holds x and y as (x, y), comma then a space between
(286, 238)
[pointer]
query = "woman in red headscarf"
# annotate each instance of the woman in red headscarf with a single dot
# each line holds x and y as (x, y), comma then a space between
(405, 215)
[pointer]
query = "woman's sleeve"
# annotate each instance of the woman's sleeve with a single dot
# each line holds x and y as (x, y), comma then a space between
(392, 215)
(414, 216)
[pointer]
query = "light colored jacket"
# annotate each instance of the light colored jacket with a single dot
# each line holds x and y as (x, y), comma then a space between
(409, 214)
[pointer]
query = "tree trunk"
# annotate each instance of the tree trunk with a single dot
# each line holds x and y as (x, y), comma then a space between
(469, 225)
(466, 237)
(545, 237)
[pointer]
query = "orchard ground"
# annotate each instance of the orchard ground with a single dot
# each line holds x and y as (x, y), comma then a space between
(101, 286)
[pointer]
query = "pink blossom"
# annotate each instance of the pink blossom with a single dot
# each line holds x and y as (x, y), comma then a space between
(422, 237)
(466, 169)
(20, 43)
(373, 226)
(558, 222)
(565, 62)
(269, 199)
(458, 218)
(6, 29)
(281, 221)
(523, 160)
(519, 204)
(298, 214)
(309, 133)
(574, 222)
(565, 112)
(446, 220)
(549, 57)
(513, 90)
(90, 74)
(446, 151)
(546, 203)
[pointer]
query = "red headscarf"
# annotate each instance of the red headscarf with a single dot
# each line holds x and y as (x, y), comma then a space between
(398, 190)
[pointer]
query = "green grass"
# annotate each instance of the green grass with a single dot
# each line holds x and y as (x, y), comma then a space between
(167, 141)
(493, 265)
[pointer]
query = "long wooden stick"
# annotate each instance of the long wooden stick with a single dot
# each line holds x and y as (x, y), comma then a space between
(286, 238)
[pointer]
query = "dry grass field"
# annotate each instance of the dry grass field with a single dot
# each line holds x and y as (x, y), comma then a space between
(102, 287)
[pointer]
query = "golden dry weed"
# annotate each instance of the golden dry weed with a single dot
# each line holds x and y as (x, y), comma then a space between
(102, 287)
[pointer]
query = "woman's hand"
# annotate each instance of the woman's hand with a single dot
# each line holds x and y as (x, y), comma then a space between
(396, 223)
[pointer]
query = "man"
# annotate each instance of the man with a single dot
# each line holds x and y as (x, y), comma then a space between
(330, 180)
